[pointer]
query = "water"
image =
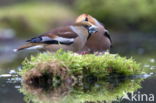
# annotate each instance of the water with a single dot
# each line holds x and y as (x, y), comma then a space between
(66, 92)
(139, 47)
(9, 92)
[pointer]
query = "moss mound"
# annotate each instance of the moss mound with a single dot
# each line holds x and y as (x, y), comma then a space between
(71, 64)
(67, 76)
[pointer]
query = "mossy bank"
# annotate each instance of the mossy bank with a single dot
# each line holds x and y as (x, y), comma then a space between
(54, 75)
(66, 64)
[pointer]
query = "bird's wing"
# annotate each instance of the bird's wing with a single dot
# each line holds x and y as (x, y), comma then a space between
(62, 35)
(107, 34)
(65, 32)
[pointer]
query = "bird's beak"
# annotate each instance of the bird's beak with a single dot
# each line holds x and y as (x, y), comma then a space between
(93, 29)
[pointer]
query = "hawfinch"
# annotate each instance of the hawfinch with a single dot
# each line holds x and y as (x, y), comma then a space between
(101, 40)
(72, 38)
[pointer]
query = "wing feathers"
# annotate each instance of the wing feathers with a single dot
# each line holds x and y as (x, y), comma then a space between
(61, 39)
(63, 35)
(65, 32)
(35, 40)
(50, 40)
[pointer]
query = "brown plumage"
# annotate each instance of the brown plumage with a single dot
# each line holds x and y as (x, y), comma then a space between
(101, 40)
(71, 38)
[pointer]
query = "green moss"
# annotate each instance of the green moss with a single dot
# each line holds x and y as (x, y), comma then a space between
(77, 78)
(100, 66)
(29, 18)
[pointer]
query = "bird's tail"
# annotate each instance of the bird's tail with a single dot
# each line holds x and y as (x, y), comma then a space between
(29, 46)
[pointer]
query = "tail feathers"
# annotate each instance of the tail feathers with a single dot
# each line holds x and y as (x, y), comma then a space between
(29, 46)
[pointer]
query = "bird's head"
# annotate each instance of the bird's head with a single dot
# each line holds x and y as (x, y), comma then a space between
(88, 18)
(89, 26)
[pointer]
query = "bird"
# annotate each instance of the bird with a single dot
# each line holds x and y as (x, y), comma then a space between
(101, 40)
(69, 38)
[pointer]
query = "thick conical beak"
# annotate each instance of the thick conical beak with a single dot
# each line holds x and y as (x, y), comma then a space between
(93, 29)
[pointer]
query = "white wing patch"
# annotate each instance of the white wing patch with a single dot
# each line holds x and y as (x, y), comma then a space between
(59, 39)
(46, 38)
(65, 40)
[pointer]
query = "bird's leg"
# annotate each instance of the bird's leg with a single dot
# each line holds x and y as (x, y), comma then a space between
(84, 52)
(101, 53)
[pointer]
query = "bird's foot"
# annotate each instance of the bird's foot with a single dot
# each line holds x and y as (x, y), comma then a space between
(84, 52)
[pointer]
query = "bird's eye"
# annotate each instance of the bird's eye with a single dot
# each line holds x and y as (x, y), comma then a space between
(86, 19)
